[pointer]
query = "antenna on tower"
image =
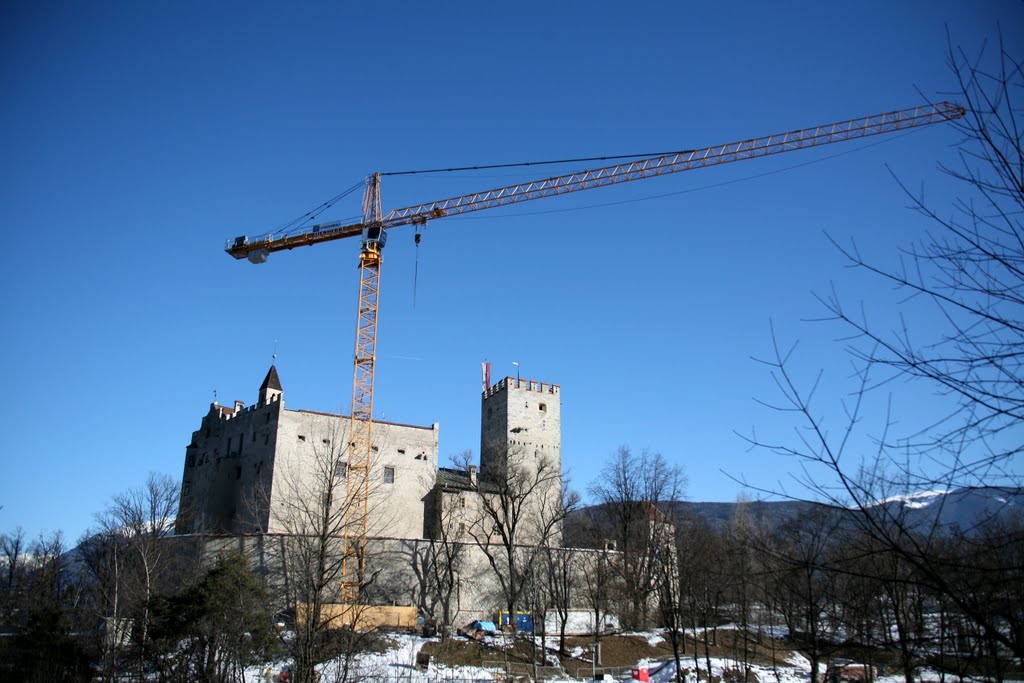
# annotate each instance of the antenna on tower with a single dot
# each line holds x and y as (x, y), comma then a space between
(214, 397)
(273, 358)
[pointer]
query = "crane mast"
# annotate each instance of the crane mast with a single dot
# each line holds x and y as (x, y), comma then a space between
(360, 445)
(373, 231)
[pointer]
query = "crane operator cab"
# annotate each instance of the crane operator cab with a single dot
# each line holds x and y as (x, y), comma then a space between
(374, 238)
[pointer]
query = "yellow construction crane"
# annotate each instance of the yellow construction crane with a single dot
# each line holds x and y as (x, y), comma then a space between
(373, 232)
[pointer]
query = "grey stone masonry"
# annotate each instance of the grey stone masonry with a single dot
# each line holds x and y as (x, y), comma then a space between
(238, 462)
(522, 417)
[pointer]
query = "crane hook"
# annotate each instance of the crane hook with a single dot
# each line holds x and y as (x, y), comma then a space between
(416, 271)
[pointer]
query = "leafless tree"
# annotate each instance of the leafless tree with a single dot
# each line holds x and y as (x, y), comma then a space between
(701, 550)
(970, 270)
(798, 559)
(13, 547)
(40, 641)
(518, 510)
(598, 582)
(312, 508)
(137, 522)
(560, 567)
(636, 496)
(439, 562)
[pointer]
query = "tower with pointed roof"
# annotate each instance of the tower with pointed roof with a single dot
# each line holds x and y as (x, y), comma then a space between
(270, 390)
(243, 460)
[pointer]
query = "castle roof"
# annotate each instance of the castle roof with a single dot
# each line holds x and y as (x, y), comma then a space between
(459, 480)
(272, 381)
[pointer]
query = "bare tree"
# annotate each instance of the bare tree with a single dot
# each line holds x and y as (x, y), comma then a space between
(518, 510)
(440, 561)
(702, 561)
(137, 521)
(560, 568)
(41, 643)
(798, 559)
(13, 547)
(637, 496)
(312, 507)
(970, 270)
(598, 583)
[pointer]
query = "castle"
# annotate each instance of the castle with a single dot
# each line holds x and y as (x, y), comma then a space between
(248, 467)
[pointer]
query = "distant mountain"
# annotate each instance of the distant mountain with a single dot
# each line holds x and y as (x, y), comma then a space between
(964, 508)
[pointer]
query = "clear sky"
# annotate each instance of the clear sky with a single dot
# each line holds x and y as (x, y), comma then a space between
(138, 137)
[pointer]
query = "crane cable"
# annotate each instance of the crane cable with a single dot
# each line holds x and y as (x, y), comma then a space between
(537, 163)
(297, 224)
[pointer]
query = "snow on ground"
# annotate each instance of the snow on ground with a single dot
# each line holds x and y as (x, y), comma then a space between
(398, 665)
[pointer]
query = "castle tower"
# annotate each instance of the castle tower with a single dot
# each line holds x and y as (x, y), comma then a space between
(270, 390)
(520, 422)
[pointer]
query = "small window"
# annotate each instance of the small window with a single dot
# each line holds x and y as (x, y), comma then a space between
(266, 439)
(462, 529)
(238, 473)
(268, 419)
(326, 442)
(254, 437)
(302, 437)
(374, 449)
(341, 470)
(543, 407)
(462, 501)
(192, 460)
(389, 475)
(186, 488)
(401, 451)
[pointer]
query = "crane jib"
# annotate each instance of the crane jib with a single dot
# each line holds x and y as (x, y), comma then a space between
(637, 169)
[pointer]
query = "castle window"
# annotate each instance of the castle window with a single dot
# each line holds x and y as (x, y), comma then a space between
(326, 442)
(302, 437)
(389, 475)
(543, 407)
(268, 419)
(462, 501)
(238, 473)
(229, 446)
(192, 460)
(266, 439)
(186, 488)
(341, 469)
(401, 451)
(254, 437)
(462, 529)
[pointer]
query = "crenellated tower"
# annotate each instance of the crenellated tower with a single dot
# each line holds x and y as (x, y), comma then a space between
(520, 423)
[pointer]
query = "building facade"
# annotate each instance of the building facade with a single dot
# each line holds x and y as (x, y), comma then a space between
(243, 463)
(247, 467)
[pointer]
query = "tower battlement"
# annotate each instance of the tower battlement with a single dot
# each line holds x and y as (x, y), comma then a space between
(522, 385)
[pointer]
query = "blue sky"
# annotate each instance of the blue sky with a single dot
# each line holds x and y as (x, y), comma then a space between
(138, 137)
